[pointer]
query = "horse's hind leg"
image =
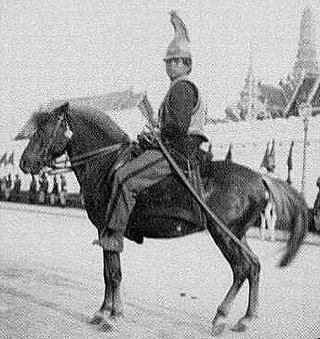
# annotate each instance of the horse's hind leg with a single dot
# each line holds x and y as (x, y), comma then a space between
(243, 267)
(111, 304)
(253, 302)
(218, 323)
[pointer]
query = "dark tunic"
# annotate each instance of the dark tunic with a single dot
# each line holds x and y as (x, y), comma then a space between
(175, 115)
(177, 110)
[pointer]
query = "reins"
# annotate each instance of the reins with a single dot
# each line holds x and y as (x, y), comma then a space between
(78, 159)
(85, 157)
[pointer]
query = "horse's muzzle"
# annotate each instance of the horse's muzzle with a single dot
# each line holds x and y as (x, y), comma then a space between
(30, 167)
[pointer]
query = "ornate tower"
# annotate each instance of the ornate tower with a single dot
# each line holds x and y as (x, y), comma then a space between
(250, 103)
(306, 61)
(248, 93)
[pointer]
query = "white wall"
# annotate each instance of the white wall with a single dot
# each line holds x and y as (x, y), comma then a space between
(250, 140)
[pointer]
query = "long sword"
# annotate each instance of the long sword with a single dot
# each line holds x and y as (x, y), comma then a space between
(146, 110)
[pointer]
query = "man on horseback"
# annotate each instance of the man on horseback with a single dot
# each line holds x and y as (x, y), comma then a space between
(181, 123)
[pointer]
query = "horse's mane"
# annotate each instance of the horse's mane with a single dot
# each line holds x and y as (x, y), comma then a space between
(37, 118)
(98, 118)
(92, 109)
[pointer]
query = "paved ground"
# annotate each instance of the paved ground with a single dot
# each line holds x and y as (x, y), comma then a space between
(51, 282)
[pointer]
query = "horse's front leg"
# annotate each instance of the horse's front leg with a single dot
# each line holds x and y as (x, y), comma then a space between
(114, 272)
(112, 304)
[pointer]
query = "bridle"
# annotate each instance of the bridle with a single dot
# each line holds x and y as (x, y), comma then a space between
(61, 165)
(47, 147)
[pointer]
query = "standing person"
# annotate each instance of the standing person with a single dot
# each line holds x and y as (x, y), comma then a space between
(181, 124)
(41, 192)
(15, 194)
(55, 191)
(63, 191)
(8, 187)
(43, 189)
(2, 187)
(46, 189)
(33, 190)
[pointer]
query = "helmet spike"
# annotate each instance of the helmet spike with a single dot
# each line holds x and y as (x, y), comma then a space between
(180, 29)
(179, 47)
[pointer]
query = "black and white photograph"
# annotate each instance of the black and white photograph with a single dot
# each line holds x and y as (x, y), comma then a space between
(160, 169)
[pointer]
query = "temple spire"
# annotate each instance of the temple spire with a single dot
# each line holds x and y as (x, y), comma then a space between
(249, 92)
(251, 82)
(306, 61)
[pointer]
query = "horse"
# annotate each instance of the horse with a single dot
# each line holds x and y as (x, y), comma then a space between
(96, 145)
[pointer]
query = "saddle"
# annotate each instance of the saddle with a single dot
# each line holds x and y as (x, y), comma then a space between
(166, 209)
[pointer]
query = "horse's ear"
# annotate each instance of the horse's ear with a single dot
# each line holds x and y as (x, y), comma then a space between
(63, 108)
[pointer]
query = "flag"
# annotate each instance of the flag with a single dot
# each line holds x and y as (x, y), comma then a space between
(272, 158)
(3, 159)
(265, 159)
(229, 154)
(289, 161)
(11, 159)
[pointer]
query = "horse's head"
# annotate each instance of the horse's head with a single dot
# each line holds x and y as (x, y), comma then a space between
(48, 140)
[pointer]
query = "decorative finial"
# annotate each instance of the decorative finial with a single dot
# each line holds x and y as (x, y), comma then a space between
(180, 29)
(179, 47)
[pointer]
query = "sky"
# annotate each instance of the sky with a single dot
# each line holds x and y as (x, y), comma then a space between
(57, 49)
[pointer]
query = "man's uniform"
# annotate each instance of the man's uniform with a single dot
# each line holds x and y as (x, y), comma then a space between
(181, 121)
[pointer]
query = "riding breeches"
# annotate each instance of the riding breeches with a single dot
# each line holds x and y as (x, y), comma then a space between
(129, 180)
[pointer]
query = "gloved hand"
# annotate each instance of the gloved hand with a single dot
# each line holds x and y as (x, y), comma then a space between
(147, 140)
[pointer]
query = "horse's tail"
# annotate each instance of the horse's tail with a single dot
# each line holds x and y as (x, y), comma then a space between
(298, 230)
(316, 213)
(292, 215)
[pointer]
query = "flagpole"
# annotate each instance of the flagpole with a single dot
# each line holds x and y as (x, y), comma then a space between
(305, 110)
(250, 89)
(289, 163)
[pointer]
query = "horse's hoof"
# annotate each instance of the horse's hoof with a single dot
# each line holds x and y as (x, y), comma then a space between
(105, 326)
(96, 319)
(244, 323)
(116, 314)
(112, 322)
(218, 325)
(218, 329)
(241, 326)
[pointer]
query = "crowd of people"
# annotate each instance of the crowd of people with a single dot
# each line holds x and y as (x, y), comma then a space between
(10, 190)
(38, 193)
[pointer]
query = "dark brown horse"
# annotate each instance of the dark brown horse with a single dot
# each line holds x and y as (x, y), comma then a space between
(235, 193)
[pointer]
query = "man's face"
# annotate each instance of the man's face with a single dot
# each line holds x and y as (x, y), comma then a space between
(175, 68)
